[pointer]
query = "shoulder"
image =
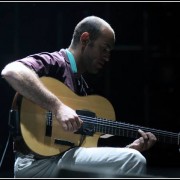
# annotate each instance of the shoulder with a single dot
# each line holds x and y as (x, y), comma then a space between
(60, 56)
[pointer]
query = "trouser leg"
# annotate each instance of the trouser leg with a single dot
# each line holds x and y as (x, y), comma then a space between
(119, 160)
(105, 159)
(43, 168)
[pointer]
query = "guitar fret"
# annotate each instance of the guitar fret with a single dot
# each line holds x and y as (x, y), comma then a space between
(167, 139)
(129, 130)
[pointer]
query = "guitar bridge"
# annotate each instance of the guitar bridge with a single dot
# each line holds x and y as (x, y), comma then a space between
(63, 142)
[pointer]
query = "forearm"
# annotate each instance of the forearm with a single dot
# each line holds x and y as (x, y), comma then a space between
(27, 83)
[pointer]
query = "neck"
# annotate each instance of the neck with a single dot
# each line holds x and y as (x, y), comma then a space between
(77, 57)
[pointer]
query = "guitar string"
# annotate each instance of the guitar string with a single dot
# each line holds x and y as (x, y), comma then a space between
(127, 127)
(124, 125)
(170, 139)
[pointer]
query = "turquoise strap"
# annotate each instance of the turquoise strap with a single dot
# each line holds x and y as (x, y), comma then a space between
(72, 61)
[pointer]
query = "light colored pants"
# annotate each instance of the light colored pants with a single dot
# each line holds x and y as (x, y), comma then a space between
(106, 160)
(114, 160)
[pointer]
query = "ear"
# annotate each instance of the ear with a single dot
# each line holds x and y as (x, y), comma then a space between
(84, 38)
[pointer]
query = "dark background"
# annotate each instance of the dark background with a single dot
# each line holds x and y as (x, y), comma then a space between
(141, 80)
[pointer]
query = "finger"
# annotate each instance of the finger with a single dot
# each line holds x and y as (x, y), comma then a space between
(79, 122)
(152, 137)
(76, 123)
(141, 140)
(143, 134)
(69, 125)
(64, 126)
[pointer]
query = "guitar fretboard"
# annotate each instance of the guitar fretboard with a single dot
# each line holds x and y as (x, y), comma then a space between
(128, 130)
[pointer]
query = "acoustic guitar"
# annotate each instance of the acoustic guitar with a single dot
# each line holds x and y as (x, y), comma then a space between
(44, 135)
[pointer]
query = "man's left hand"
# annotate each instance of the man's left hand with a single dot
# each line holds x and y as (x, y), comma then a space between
(146, 141)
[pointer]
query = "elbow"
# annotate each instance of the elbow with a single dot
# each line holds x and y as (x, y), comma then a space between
(8, 71)
(5, 72)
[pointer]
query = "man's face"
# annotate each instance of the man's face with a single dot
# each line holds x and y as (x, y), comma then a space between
(97, 53)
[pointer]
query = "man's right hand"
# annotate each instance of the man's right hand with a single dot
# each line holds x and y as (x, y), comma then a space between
(68, 118)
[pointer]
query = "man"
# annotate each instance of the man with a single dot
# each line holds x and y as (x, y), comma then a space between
(92, 41)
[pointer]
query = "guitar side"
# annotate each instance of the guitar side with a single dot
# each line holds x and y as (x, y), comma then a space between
(33, 120)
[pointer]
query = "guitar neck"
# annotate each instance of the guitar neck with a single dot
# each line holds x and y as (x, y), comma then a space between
(128, 130)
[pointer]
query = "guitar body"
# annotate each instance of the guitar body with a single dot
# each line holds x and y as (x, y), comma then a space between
(34, 120)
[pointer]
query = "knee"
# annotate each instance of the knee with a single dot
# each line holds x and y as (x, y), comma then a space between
(138, 159)
(131, 161)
